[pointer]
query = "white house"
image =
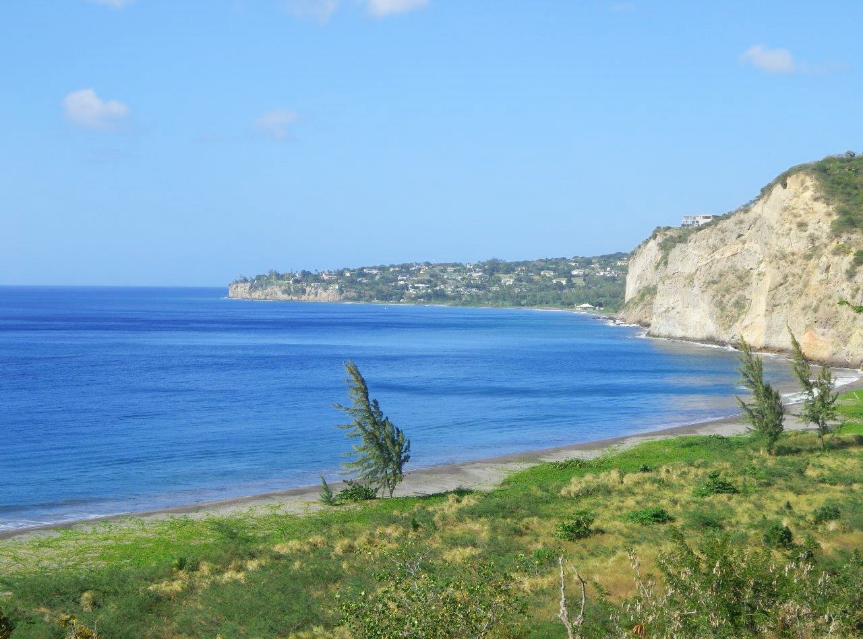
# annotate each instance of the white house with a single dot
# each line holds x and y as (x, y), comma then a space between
(697, 220)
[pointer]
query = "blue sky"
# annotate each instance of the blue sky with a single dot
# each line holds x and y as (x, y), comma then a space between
(185, 142)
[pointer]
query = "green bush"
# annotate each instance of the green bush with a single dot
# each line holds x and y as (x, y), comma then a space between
(705, 520)
(651, 515)
(577, 527)
(356, 491)
(777, 535)
(714, 485)
(825, 513)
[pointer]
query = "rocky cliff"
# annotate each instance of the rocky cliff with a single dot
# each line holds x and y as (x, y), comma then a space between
(783, 261)
(245, 291)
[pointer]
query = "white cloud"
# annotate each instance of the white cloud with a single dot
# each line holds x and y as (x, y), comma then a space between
(619, 7)
(277, 124)
(85, 108)
(381, 8)
(117, 4)
(315, 9)
(770, 60)
(322, 10)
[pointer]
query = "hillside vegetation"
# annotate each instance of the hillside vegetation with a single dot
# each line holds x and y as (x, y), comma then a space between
(551, 282)
(751, 545)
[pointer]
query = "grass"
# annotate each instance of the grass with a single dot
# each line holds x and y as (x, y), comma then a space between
(267, 574)
(841, 180)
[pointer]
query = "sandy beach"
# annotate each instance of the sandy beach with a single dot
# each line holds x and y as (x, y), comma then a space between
(482, 474)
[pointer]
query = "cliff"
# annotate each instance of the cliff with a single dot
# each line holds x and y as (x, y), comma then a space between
(783, 261)
(246, 291)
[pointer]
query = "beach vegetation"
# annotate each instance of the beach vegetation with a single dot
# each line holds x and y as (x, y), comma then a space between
(578, 526)
(327, 496)
(714, 484)
(765, 413)
(819, 401)
(777, 535)
(356, 491)
(649, 515)
(303, 570)
(383, 450)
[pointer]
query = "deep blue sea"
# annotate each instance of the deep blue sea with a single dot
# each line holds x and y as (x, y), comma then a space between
(121, 400)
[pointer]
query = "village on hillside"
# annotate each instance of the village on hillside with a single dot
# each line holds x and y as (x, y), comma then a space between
(585, 282)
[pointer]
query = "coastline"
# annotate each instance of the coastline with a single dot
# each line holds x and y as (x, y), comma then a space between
(479, 474)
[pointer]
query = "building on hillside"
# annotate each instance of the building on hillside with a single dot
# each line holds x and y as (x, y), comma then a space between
(697, 220)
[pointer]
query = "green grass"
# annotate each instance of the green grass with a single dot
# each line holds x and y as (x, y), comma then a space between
(841, 180)
(267, 574)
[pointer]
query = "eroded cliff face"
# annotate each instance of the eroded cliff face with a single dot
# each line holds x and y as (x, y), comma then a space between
(774, 265)
(245, 291)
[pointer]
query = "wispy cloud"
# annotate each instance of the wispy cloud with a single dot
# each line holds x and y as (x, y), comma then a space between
(277, 124)
(381, 8)
(620, 7)
(771, 60)
(85, 108)
(117, 4)
(314, 9)
(323, 10)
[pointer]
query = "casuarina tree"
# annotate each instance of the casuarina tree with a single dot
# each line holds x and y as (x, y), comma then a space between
(765, 412)
(819, 403)
(382, 450)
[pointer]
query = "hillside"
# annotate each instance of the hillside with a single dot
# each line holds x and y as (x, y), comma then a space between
(777, 540)
(553, 282)
(784, 260)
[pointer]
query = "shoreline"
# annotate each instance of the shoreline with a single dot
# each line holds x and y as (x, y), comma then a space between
(479, 474)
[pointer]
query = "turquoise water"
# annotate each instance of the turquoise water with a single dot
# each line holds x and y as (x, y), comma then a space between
(121, 400)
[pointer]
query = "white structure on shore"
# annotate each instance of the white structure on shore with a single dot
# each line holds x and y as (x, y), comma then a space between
(697, 220)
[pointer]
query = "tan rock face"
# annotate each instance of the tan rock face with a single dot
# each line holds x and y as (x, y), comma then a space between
(754, 274)
(243, 290)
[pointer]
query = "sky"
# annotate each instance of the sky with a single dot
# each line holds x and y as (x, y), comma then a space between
(187, 142)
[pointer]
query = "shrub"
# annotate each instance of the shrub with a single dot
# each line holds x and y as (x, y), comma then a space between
(327, 496)
(578, 527)
(6, 626)
(825, 513)
(715, 485)
(705, 520)
(356, 491)
(651, 515)
(777, 535)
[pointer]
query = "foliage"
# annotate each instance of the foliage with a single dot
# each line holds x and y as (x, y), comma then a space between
(777, 535)
(841, 180)
(6, 626)
(825, 513)
(765, 413)
(418, 600)
(724, 590)
(383, 450)
(819, 403)
(356, 491)
(649, 515)
(75, 630)
(327, 496)
(576, 527)
(714, 484)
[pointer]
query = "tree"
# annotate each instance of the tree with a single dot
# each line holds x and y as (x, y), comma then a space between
(383, 450)
(765, 413)
(819, 405)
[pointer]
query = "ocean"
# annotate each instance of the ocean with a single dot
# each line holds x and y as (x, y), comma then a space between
(119, 400)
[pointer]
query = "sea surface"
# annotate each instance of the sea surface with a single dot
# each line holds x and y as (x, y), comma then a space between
(129, 399)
